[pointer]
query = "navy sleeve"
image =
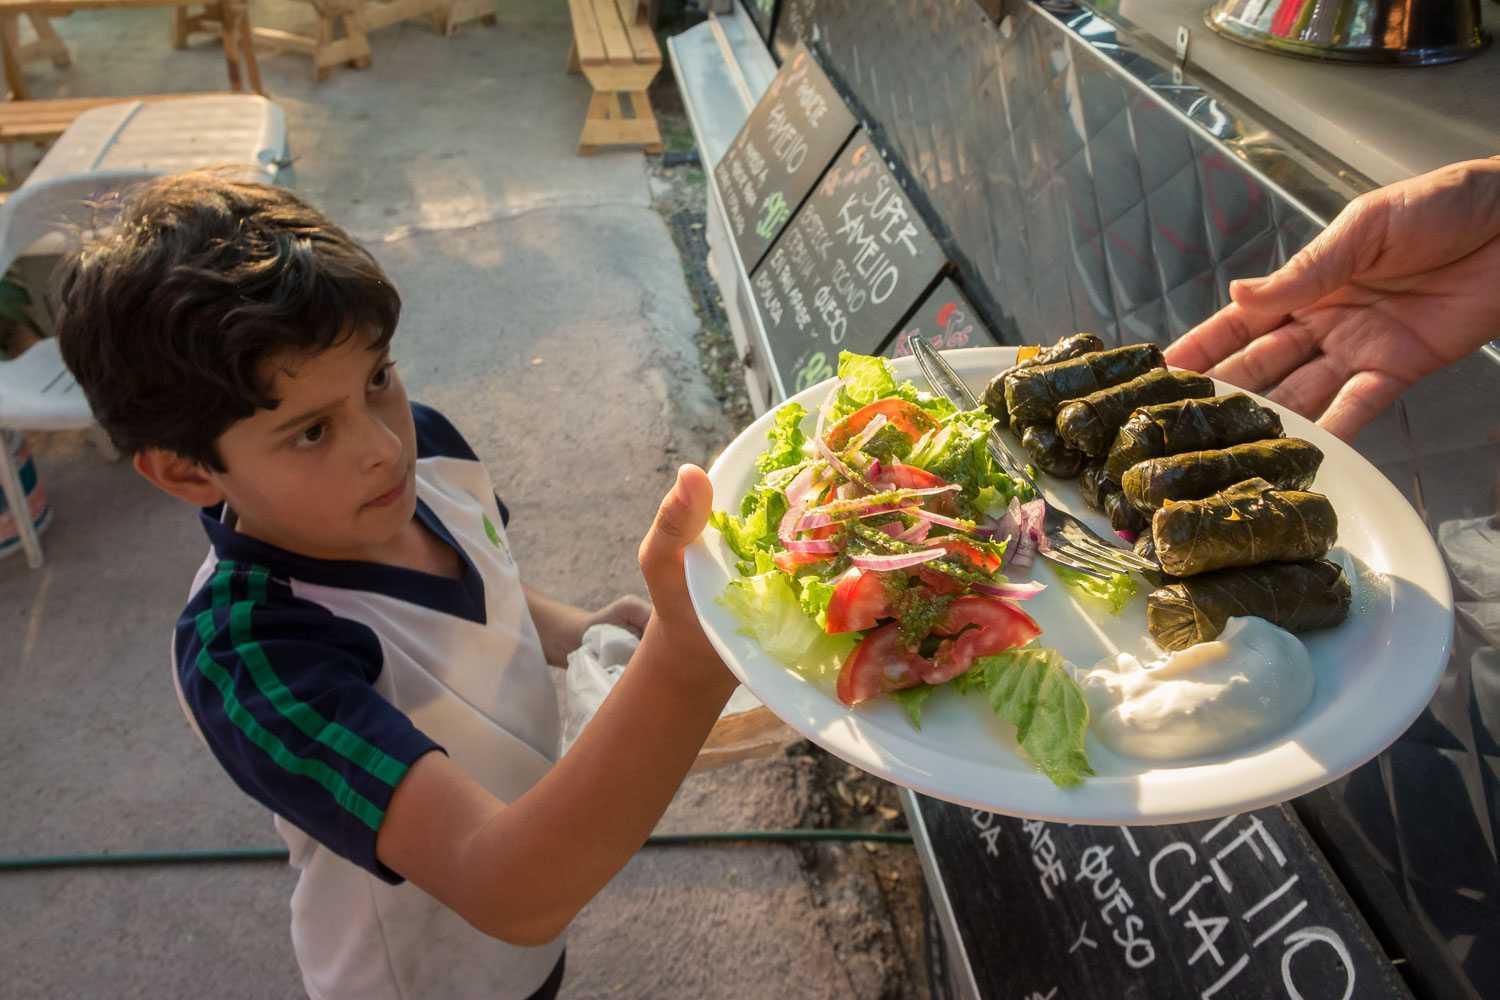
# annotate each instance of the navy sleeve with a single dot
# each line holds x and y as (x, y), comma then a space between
(438, 438)
(283, 692)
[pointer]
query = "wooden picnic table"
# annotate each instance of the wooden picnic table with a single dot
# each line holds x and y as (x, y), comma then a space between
(239, 56)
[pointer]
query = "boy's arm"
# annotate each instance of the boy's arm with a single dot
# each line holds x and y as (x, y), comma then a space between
(561, 626)
(521, 871)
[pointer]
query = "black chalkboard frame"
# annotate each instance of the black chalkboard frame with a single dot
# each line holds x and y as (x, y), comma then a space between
(1229, 909)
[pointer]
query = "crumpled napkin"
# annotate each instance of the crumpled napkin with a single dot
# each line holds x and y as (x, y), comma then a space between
(595, 666)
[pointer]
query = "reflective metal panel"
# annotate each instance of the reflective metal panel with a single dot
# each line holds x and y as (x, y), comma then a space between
(1079, 184)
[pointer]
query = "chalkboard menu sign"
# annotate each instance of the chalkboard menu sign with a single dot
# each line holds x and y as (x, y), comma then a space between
(794, 24)
(845, 271)
(945, 319)
(1241, 908)
(796, 129)
(763, 13)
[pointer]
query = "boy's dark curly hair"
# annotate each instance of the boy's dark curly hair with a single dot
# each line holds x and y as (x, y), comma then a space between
(167, 319)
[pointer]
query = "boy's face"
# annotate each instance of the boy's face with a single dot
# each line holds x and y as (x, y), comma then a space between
(330, 472)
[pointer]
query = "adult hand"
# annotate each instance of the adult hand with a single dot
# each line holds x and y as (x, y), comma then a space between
(1402, 283)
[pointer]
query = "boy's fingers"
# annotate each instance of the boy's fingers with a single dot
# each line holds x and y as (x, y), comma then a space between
(680, 519)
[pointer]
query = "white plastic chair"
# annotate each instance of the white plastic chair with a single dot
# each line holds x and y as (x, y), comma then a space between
(37, 393)
(105, 151)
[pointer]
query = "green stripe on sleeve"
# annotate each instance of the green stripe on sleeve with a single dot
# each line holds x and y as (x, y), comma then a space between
(343, 793)
(309, 720)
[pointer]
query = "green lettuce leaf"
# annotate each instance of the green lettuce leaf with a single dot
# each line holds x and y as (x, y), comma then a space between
(755, 529)
(912, 699)
(769, 612)
(1117, 591)
(958, 450)
(865, 378)
(816, 593)
(786, 439)
(1032, 689)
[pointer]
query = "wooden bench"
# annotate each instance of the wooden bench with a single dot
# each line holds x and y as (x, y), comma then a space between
(40, 121)
(614, 47)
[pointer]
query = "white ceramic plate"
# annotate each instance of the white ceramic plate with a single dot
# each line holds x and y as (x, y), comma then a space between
(1375, 672)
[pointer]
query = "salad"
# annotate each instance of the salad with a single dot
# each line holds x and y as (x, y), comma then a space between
(872, 553)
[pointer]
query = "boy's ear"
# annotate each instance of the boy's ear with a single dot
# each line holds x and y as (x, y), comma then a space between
(182, 477)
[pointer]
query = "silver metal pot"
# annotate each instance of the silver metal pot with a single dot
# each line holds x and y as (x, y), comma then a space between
(1404, 32)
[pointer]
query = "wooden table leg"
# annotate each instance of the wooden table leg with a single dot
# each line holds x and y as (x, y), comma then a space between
(228, 33)
(49, 41)
(247, 52)
(10, 32)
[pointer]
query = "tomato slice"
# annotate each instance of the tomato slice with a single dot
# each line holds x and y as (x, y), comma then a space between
(999, 625)
(859, 601)
(790, 562)
(940, 583)
(909, 477)
(880, 663)
(908, 418)
(967, 552)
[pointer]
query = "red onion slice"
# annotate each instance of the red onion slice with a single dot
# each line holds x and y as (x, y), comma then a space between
(832, 459)
(964, 527)
(890, 497)
(799, 492)
(900, 560)
(916, 533)
(1011, 591)
(812, 521)
(871, 429)
(1129, 536)
(813, 547)
(1029, 537)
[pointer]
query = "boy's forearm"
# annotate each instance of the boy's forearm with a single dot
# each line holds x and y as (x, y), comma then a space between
(596, 808)
(558, 625)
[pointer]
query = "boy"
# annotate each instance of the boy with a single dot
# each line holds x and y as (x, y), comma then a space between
(358, 651)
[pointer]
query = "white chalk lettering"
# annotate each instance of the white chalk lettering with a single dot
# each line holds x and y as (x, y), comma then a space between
(1226, 978)
(787, 144)
(1156, 858)
(1246, 837)
(1083, 939)
(1297, 940)
(1209, 929)
(1139, 951)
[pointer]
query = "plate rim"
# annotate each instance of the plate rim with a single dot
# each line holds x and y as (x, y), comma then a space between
(1103, 800)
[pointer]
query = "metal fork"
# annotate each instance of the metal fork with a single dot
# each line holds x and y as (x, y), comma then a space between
(1070, 542)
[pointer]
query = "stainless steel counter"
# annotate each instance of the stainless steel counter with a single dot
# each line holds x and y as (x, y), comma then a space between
(1077, 183)
(1385, 122)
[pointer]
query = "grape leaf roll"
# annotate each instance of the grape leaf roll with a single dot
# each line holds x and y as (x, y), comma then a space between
(1034, 395)
(1297, 596)
(1090, 424)
(1189, 425)
(1243, 525)
(1065, 349)
(1286, 463)
(1049, 452)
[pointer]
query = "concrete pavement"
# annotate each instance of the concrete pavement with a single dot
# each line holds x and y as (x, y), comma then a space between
(546, 313)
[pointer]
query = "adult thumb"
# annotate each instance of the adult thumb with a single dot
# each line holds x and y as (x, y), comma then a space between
(680, 519)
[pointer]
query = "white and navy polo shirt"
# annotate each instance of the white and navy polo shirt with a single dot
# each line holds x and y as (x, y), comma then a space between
(317, 683)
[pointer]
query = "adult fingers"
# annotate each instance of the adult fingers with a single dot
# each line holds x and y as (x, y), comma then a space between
(1219, 336)
(1268, 359)
(1335, 256)
(1310, 389)
(1360, 400)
